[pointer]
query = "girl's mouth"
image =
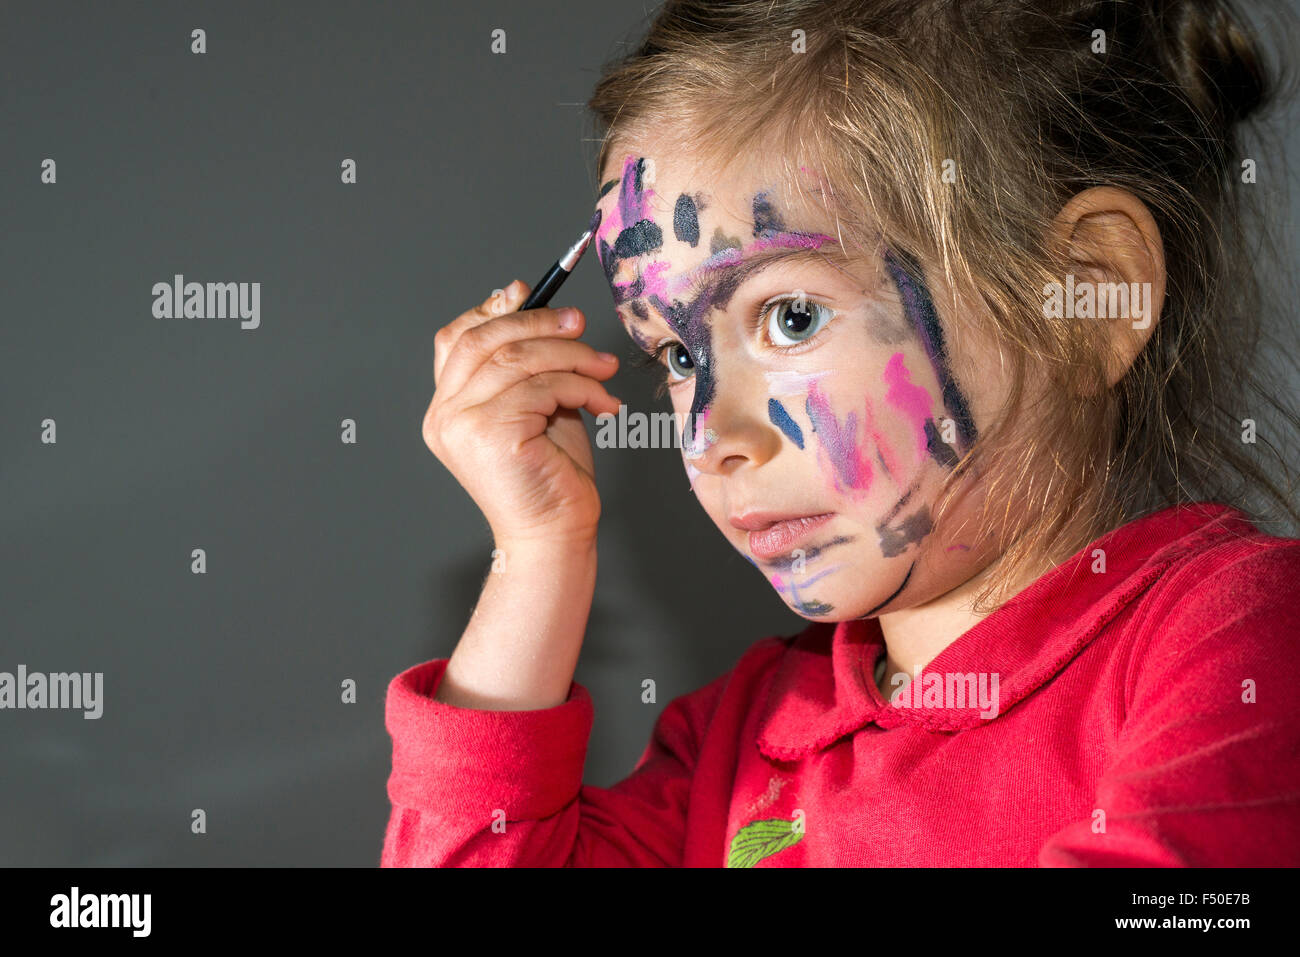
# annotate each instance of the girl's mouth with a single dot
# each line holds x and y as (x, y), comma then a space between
(779, 538)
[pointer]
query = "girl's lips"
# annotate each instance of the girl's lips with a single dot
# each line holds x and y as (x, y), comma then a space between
(779, 538)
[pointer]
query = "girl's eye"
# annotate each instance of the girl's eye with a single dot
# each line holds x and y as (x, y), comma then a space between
(792, 321)
(680, 364)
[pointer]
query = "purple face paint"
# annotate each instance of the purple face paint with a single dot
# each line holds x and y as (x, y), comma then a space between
(780, 586)
(852, 469)
(806, 607)
(627, 230)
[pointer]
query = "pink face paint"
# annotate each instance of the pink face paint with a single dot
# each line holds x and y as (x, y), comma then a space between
(888, 461)
(910, 399)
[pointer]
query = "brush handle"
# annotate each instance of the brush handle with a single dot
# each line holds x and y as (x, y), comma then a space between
(545, 288)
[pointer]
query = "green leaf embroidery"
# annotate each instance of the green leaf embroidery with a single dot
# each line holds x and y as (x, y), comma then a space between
(760, 839)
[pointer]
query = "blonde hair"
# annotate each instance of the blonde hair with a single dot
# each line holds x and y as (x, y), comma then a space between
(885, 91)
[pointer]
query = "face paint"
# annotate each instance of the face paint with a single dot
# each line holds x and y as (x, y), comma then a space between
(673, 268)
(894, 540)
(714, 281)
(884, 452)
(804, 606)
(911, 400)
(699, 445)
(785, 563)
(852, 471)
(919, 307)
(766, 220)
(686, 220)
(781, 419)
(897, 591)
(789, 383)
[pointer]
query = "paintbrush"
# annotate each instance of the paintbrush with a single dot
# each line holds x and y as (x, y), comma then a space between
(555, 276)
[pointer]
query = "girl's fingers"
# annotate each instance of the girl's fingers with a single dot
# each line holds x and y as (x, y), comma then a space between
(497, 304)
(534, 400)
(476, 343)
(519, 359)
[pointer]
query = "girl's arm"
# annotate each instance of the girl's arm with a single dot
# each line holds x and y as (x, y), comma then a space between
(504, 788)
(489, 745)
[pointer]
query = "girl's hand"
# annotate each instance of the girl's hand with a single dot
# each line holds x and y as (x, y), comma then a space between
(504, 417)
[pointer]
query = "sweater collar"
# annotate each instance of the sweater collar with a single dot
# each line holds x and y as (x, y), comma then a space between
(824, 687)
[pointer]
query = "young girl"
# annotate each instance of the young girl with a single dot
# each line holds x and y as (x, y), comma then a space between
(953, 300)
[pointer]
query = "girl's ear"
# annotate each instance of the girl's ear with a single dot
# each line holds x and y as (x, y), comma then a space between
(1108, 237)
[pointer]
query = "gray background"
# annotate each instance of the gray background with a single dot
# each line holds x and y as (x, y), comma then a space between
(325, 561)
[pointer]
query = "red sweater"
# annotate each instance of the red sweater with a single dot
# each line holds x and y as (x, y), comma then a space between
(1146, 714)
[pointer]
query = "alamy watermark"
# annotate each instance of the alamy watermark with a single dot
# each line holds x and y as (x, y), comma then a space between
(76, 909)
(649, 430)
(35, 689)
(1098, 300)
(214, 300)
(934, 689)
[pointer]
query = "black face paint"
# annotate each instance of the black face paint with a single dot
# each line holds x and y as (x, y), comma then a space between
(813, 608)
(897, 591)
(720, 241)
(638, 240)
(786, 564)
(894, 540)
(766, 220)
(689, 320)
(940, 451)
(686, 220)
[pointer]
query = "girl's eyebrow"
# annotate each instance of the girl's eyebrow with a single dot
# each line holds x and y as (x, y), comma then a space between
(737, 273)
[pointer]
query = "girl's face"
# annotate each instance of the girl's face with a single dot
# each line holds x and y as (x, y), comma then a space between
(826, 404)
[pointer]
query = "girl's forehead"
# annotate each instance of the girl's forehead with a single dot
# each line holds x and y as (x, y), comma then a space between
(657, 185)
(685, 212)
(680, 250)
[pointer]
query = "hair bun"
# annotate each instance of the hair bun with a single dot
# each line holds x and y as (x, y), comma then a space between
(1212, 53)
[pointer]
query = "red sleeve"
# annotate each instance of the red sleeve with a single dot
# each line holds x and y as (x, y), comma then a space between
(504, 788)
(1204, 777)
